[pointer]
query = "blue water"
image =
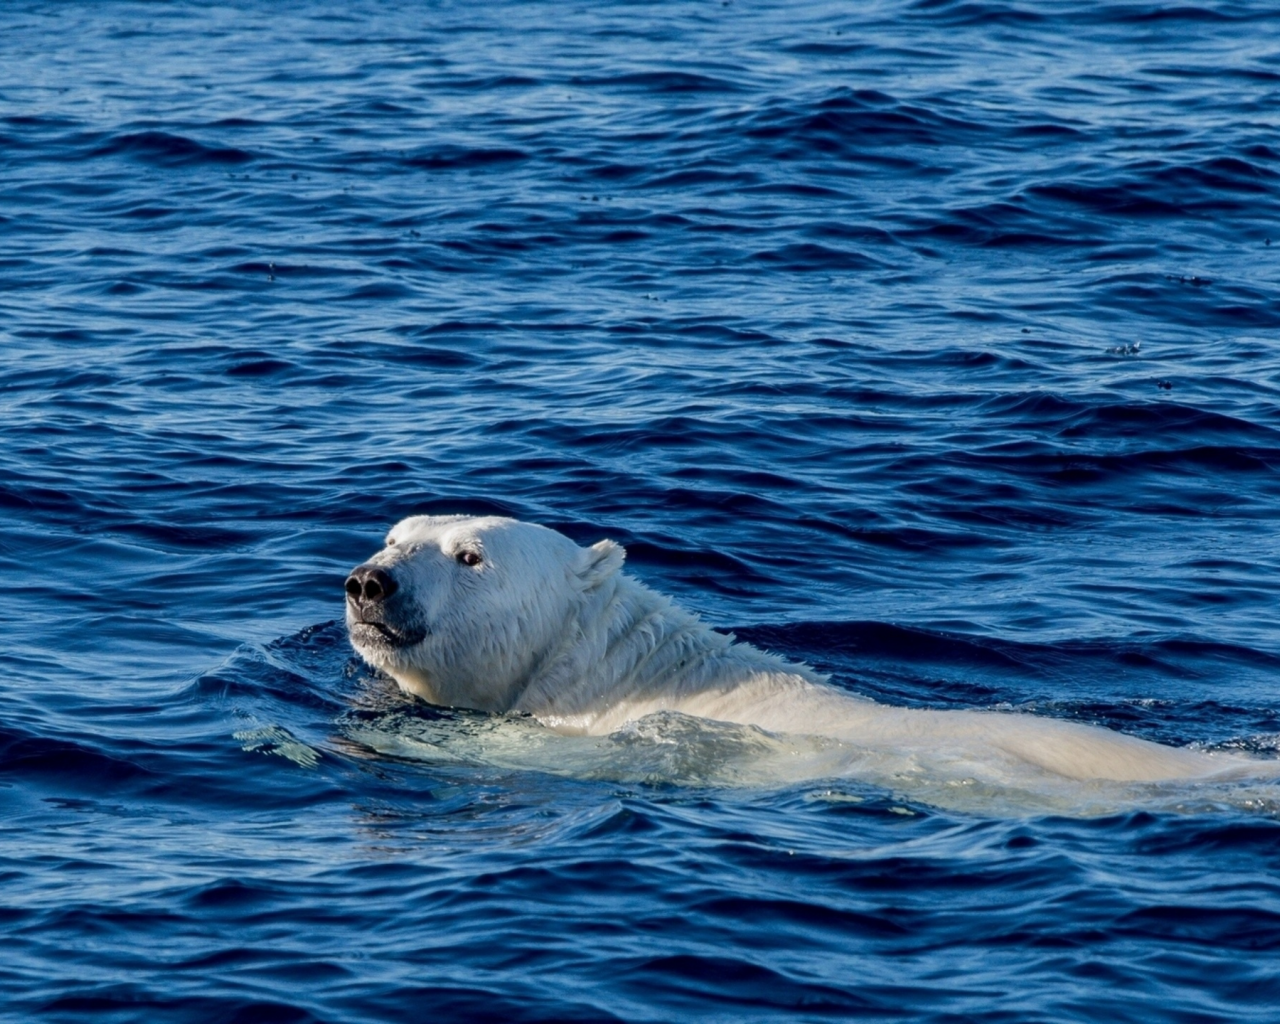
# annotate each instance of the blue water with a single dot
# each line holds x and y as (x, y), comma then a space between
(933, 343)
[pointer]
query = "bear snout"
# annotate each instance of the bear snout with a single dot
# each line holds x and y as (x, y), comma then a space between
(369, 585)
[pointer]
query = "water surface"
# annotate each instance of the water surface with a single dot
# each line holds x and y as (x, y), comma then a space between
(930, 343)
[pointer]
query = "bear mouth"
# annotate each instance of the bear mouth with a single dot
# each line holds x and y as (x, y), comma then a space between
(379, 634)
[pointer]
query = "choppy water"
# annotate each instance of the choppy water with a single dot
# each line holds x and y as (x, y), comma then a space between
(932, 343)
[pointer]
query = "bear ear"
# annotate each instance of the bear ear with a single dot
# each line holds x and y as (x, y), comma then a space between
(599, 562)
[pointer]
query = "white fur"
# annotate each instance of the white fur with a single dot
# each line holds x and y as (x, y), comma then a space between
(543, 626)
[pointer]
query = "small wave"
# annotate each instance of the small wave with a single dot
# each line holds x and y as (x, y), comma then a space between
(659, 82)
(172, 150)
(1163, 423)
(809, 256)
(451, 158)
(79, 765)
(844, 123)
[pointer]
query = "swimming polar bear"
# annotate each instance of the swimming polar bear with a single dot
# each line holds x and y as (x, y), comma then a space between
(504, 616)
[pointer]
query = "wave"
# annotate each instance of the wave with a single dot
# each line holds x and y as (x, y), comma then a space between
(165, 149)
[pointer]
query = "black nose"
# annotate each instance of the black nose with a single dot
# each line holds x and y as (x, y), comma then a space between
(371, 584)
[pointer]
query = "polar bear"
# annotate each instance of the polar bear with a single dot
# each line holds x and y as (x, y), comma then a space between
(505, 616)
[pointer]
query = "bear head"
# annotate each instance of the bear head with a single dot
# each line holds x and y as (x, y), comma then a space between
(462, 611)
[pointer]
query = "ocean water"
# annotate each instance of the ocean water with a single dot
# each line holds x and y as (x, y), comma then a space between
(933, 344)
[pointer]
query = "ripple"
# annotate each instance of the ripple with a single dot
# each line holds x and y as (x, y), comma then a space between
(928, 342)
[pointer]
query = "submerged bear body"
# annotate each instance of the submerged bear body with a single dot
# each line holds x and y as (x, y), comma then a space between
(499, 615)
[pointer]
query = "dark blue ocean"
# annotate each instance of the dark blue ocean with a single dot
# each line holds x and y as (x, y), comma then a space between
(935, 344)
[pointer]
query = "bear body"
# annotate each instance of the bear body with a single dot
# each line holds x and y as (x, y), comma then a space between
(504, 616)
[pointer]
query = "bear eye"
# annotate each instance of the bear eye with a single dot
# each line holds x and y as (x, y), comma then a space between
(468, 558)
(391, 542)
